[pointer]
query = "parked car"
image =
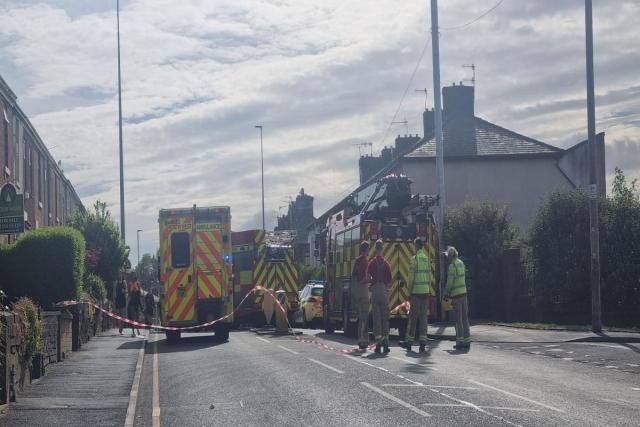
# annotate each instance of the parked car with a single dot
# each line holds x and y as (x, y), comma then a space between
(310, 311)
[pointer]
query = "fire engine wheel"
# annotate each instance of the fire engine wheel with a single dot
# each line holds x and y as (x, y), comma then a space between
(305, 323)
(173, 336)
(222, 334)
(350, 329)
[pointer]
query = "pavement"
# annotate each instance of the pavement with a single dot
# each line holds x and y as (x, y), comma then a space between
(258, 379)
(493, 333)
(90, 388)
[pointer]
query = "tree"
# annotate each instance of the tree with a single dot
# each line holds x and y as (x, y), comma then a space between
(561, 253)
(620, 251)
(106, 253)
(481, 231)
(147, 272)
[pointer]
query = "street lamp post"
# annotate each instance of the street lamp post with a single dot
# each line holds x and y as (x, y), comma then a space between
(122, 228)
(262, 173)
(138, 238)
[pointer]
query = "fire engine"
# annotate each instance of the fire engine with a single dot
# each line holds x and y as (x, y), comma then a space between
(195, 268)
(267, 259)
(384, 209)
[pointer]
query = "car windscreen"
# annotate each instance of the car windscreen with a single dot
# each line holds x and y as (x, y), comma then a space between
(316, 292)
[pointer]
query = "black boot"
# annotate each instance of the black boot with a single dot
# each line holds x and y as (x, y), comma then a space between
(422, 348)
(385, 348)
(378, 348)
(407, 345)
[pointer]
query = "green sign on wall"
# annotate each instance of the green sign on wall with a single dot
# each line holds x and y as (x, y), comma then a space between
(11, 210)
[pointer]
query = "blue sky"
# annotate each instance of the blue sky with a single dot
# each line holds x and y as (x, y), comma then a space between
(319, 76)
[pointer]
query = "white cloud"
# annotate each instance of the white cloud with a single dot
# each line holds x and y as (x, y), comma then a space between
(320, 76)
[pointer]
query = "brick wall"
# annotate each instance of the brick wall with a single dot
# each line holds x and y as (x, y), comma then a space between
(50, 337)
(65, 335)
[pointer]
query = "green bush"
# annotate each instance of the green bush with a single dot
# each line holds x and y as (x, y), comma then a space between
(46, 265)
(560, 250)
(106, 254)
(33, 326)
(561, 255)
(310, 272)
(95, 287)
(481, 231)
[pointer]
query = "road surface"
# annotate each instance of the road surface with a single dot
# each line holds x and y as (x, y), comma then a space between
(256, 380)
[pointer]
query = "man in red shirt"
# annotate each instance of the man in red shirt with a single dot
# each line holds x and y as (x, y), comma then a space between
(380, 272)
(360, 282)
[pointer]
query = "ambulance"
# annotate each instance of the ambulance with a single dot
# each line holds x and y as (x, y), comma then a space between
(195, 269)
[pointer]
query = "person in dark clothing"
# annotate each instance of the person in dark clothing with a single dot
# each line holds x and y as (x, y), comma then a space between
(135, 304)
(120, 300)
(149, 303)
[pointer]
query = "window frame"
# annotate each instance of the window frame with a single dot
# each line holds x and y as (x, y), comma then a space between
(175, 235)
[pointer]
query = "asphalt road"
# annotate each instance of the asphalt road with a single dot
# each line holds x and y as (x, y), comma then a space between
(256, 380)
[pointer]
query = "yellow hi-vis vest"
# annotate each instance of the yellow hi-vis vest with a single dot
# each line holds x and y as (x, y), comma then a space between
(455, 278)
(420, 274)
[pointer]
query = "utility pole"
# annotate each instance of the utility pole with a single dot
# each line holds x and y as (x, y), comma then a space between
(437, 107)
(262, 174)
(594, 227)
(122, 228)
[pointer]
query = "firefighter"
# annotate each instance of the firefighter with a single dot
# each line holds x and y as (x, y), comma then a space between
(380, 272)
(360, 294)
(456, 289)
(419, 292)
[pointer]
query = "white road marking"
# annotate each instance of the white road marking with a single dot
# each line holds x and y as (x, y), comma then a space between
(326, 366)
(635, 388)
(528, 347)
(429, 385)
(471, 406)
(155, 399)
(395, 399)
(568, 359)
(262, 339)
(479, 409)
(288, 349)
(508, 393)
(133, 395)
(504, 408)
(413, 363)
(633, 365)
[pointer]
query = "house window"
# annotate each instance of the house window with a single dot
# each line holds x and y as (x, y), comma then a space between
(40, 178)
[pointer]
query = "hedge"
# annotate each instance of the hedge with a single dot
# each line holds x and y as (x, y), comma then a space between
(95, 287)
(561, 252)
(46, 265)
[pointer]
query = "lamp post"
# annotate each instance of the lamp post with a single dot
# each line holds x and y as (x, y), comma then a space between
(138, 238)
(262, 173)
(122, 228)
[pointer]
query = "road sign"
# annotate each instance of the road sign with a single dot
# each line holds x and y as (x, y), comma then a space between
(11, 210)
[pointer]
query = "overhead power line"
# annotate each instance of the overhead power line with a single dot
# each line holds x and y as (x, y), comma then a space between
(474, 20)
(406, 89)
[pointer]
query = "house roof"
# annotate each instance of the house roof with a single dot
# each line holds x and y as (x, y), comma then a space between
(478, 137)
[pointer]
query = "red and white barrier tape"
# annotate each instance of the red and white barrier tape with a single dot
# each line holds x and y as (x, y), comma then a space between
(135, 323)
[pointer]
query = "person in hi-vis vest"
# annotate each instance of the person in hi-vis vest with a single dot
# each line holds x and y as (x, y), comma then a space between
(456, 289)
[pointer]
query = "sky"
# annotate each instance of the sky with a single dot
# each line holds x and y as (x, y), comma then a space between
(320, 77)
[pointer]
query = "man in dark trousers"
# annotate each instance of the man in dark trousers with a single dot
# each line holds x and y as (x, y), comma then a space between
(149, 304)
(120, 297)
(380, 272)
(360, 281)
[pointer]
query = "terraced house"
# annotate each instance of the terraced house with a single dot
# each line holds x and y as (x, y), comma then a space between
(25, 161)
